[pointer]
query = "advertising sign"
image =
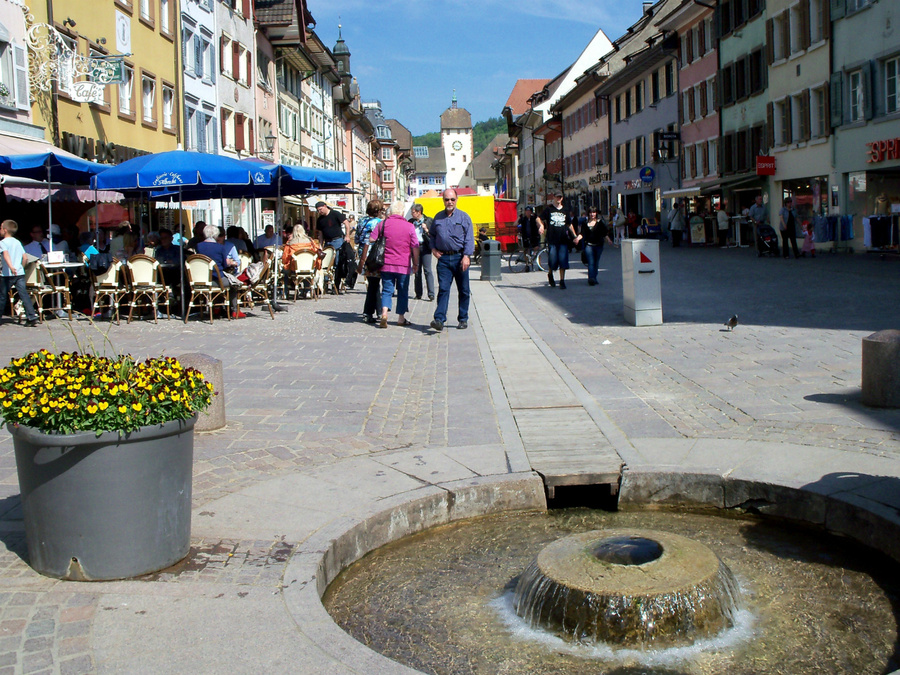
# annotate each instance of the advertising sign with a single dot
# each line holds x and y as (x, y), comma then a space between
(765, 165)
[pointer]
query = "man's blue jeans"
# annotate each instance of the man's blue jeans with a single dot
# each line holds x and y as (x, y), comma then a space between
(336, 245)
(449, 269)
(17, 282)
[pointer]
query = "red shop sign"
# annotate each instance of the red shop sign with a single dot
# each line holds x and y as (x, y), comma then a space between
(765, 166)
(879, 151)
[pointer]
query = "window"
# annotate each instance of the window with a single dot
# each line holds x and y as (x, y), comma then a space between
(168, 107)
(702, 150)
(857, 102)
(227, 129)
(640, 151)
(892, 85)
(781, 36)
(147, 10)
(757, 72)
(817, 25)
(387, 153)
(728, 85)
(66, 55)
(14, 75)
(619, 165)
(225, 63)
(697, 101)
(191, 140)
(100, 98)
(712, 156)
(628, 104)
(263, 64)
(386, 176)
(618, 108)
(783, 122)
(797, 25)
(207, 58)
(711, 94)
(854, 5)
(126, 91)
(708, 34)
(817, 113)
(686, 107)
(800, 117)
(670, 78)
(639, 96)
(148, 99)
(164, 17)
(654, 86)
(740, 80)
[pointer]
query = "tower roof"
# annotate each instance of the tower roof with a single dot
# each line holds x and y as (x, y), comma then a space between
(340, 47)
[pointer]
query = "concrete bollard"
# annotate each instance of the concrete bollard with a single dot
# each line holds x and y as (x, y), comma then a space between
(881, 369)
(214, 416)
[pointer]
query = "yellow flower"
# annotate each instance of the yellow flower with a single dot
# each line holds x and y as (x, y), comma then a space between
(137, 406)
(113, 390)
(95, 390)
(123, 409)
(45, 410)
(103, 405)
(6, 404)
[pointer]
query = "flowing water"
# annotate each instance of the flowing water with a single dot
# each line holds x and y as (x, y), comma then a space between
(442, 601)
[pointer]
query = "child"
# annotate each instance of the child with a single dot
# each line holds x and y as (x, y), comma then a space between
(809, 241)
(14, 271)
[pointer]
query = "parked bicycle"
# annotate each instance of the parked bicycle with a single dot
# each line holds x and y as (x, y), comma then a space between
(519, 259)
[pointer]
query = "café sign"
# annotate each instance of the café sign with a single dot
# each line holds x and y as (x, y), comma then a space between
(880, 151)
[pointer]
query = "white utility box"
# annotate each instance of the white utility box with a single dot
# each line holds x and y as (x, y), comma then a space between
(640, 282)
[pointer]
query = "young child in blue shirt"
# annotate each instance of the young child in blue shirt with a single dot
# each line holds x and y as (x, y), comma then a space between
(13, 260)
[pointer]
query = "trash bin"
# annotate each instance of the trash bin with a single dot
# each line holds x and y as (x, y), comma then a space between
(641, 282)
(490, 260)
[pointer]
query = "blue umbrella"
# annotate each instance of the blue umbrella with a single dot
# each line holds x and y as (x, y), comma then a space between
(49, 166)
(178, 168)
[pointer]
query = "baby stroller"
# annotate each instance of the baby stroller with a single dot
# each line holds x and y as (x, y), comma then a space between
(766, 241)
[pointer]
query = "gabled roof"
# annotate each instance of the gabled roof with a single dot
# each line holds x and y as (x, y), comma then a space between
(401, 134)
(482, 164)
(522, 91)
(456, 118)
(435, 163)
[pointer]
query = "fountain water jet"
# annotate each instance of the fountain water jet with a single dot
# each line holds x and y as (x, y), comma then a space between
(636, 588)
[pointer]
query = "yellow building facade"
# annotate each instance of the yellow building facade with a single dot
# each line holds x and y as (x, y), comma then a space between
(141, 112)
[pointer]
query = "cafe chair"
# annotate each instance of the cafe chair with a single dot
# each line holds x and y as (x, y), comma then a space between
(325, 275)
(111, 286)
(40, 283)
(303, 274)
(244, 261)
(256, 291)
(205, 290)
(146, 283)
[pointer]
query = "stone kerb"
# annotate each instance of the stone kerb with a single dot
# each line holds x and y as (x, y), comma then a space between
(881, 369)
(213, 417)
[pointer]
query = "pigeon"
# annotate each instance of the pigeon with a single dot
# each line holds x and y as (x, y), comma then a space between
(732, 322)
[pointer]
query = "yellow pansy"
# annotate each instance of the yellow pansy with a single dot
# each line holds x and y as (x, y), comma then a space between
(103, 405)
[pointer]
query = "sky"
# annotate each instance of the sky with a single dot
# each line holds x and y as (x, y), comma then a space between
(412, 54)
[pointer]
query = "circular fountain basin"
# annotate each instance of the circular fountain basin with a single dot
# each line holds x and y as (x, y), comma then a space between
(640, 588)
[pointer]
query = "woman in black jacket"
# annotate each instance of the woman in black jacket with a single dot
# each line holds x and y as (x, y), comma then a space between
(593, 234)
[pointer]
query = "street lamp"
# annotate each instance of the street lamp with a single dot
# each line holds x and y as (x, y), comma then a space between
(270, 142)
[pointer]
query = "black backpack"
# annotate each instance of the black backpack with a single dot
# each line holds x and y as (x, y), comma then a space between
(100, 262)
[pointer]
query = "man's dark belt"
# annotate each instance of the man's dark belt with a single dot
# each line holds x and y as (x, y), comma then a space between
(459, 250)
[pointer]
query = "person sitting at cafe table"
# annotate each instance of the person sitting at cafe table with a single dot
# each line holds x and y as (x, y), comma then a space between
(40, 244)
(167, 253)
(299, 241)
(267, 239)
(198, 235)
(218, 252)
(233, 237)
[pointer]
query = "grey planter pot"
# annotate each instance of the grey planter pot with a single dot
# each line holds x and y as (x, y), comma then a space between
(106, 507)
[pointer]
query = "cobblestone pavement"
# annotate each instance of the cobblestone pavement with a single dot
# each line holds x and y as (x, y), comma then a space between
(318, 386)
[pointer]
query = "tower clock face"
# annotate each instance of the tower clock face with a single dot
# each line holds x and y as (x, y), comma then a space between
(457, 145)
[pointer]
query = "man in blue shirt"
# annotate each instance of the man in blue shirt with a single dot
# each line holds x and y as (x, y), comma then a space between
(452, 245)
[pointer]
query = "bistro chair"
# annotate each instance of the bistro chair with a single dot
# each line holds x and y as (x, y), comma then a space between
(112, 286)
(206, 289)
(146, 283)
(304, 273)
(257, 290)
(244, 259)
(325, 275)
(40, 283)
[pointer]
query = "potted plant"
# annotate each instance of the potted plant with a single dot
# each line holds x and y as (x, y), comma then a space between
(104, 454)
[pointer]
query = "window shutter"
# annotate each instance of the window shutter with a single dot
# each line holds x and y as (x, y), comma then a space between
(789, 121)
(693, 153)
(199, 123)
(223, 47)
(689, 46)
(825, 9)
(252, 138)
(770, 124)
(838, 9)
(837, 102)
(786, 33)
(245, 8)
(185, 43)
(198, 56)
(827, 94)
(213, 135)
(223, 126)
(20, 79)
(770, 41)
(235, 59)
(701, 40)
(239, 143)
(804, 24)
(249, 61)
(703, 108)
(804, 98)
(868, 90)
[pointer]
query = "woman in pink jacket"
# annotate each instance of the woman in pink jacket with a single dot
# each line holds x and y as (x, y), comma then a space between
(400, 246)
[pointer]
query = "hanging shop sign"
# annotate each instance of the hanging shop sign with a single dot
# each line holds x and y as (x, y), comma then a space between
(599, 178)
(880, 151)
(765, 166)
(647, 174)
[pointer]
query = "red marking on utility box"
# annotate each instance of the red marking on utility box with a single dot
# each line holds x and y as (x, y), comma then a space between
(644, 258)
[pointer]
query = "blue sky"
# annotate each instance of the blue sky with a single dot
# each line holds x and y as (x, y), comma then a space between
(412, 54)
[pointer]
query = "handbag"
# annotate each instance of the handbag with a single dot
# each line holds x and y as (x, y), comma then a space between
(375, 257)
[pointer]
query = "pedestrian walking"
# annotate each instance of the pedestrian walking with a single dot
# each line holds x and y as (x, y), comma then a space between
(423, 225)
(528, 230)
(722, 223)
(759, 215)
(560, 232)
(593, 233)
(374, 215)
(453, 245)
(331, 229)
(12, 258)
(677, 223)
(788, 226)
(400, 246)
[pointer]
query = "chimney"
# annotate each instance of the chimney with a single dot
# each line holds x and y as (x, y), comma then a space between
(647, 6)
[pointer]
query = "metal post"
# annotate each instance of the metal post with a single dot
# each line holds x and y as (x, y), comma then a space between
(181, 251)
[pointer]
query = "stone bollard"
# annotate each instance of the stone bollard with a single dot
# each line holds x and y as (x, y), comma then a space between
(881, 369)
(214, 416)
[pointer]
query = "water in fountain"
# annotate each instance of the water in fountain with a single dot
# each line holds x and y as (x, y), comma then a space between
(443, 601)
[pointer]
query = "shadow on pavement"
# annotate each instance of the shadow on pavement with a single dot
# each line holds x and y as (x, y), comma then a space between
(707, 285)
(12, 527)
(851, 400)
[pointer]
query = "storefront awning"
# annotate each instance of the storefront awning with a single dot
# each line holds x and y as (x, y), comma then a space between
(27, 190)
(682, 192)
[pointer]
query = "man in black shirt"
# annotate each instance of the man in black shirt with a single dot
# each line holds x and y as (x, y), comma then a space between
(528, 230)
(560, 230)
(330, 227)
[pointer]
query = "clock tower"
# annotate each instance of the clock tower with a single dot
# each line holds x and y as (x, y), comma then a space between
(458, 142)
